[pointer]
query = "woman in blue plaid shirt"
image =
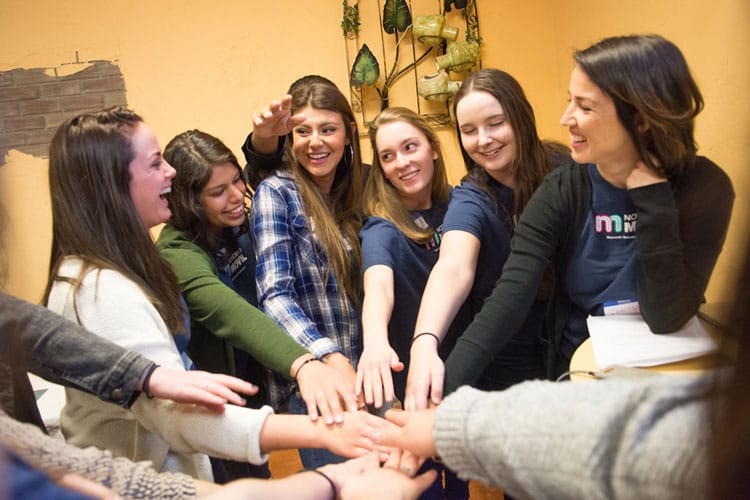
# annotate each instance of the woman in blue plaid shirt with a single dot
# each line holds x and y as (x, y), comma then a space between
(305, 220)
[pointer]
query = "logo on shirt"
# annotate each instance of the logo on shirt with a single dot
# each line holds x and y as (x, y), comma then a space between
(616, 226)
(236, 260)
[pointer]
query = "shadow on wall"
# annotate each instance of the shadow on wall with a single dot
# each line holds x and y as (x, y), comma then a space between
(34, 102)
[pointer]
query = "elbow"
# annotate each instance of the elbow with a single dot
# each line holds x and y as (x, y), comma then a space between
(669, 322)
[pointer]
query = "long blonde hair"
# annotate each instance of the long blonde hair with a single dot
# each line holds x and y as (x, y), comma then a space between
(339, 212)
(384, 200)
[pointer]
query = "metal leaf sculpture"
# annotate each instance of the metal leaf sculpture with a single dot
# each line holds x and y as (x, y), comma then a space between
(365, 70)
(396, 16)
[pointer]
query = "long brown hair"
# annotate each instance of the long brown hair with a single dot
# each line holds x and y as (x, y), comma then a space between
(340, 211)
(384, 200)
(531, 163)
(194, 154)
(93, 214)
(655, 96)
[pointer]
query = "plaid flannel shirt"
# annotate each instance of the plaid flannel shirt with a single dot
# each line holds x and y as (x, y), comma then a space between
(290, 275)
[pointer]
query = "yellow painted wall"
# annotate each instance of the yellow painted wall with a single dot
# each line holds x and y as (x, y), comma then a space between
(209, 65)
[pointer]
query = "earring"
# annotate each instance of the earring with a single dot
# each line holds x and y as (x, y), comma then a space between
(348, 155)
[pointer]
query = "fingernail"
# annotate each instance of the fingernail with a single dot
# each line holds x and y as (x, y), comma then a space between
(339, 418)
(329, 420)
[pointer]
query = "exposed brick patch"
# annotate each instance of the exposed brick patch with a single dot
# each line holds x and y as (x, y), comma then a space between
(39, 106)
(82, 102)
(8, 109)
(23, 123)
(60, 89)
(103, 84)
(5, 79)
(34, 102)
(16, 94)
(8, 141)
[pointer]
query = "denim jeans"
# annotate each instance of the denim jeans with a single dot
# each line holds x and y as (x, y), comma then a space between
(312, 458)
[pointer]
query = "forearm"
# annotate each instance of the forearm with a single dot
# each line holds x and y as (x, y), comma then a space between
(223, 312)
(60, 351)
(285, 432)
(233, 434)
(675, 260)
(263, 156)
(231, 318)
(377, 306)
(447, 288)
(128, 479)
(303, 486)
(621, 424)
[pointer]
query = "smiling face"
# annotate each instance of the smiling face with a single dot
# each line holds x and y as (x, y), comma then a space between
(223, 197)
(150, 177)
(319, 143)
(596, 133)
(486, 134)
(407, 160)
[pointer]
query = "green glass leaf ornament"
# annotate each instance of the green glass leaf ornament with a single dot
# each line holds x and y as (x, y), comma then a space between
(396, 16)
(459, 4)
(365, 70)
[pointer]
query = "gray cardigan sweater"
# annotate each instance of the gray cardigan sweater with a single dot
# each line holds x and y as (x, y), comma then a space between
(640, 439)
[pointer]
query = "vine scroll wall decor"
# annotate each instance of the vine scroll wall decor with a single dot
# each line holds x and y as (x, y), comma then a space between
(412, 57)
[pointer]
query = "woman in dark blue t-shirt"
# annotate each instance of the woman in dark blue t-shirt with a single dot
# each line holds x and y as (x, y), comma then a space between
(505, 162)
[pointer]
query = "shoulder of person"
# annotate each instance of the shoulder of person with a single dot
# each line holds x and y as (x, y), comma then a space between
(171, 237)
(705, 170)
(374, 225)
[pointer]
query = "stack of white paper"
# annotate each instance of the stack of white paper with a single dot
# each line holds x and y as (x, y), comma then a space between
(626, 340)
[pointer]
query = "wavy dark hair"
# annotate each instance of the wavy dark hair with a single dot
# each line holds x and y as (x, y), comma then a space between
(531, 163)
(384, 200)
(93, 214)
(194, 154)
(338, 212)
(655, 96)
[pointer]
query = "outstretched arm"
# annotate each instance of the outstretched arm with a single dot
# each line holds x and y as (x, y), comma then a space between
(378, 358)
(447, 288)
(264, 147)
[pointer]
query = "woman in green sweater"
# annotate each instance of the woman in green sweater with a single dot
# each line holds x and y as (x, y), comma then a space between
(207, 243)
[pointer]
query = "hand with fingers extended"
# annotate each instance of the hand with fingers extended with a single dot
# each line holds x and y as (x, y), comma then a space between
(324, 390)
(346, 372)
(355, 435)
(374, 380)
(424, 384)
(275, 120)
(211, 390)
(364, 478)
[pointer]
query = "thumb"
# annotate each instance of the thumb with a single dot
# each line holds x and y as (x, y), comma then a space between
(397, 417)
(425, 480)
(396, 364)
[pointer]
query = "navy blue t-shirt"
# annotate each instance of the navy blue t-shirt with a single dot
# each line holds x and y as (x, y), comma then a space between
(602, 269)
(383, 244)
(473, 211)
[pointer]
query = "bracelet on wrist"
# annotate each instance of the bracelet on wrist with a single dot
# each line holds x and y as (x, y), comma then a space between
(437, 339)
(147, 379)
(330, 481)
(299, 368)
